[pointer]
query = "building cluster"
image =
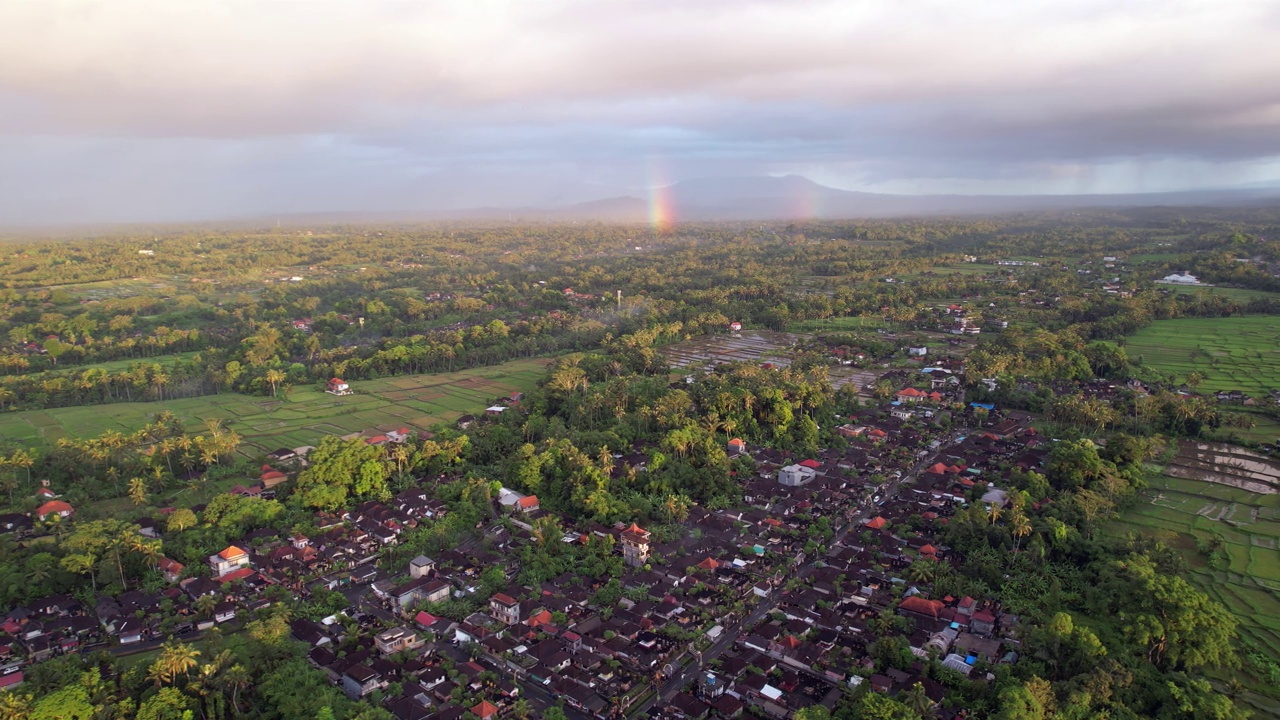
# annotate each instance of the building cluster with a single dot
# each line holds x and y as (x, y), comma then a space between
(767, 607)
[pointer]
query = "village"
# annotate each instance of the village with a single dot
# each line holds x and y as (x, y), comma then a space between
(775, 605)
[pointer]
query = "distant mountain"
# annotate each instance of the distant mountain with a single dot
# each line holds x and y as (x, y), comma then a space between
(793, 196)
(789, 197)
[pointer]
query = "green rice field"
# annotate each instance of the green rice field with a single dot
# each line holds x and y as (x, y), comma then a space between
(1236, 353)
(303, 417)
(1246, 577)
(1238, 294)
(839, 324)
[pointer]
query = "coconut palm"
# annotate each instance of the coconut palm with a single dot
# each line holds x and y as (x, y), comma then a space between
(274, 377)
(138, 490)
(994, 512)
(176, 660)
(1020, 526)
(917, 699)
(23, 459)
(237, 678)
(205, 604)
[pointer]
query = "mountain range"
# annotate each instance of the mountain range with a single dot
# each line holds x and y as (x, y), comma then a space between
(795, 197)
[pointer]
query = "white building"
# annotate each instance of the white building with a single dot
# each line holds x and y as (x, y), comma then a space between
(1180, 279)
(796, 475)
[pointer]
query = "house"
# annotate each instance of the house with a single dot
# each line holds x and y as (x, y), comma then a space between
(737, 447)
(504, 608)
(735, 326)
(1180, 279)
(635, 545)
(360, 680)
(271, 477)
(485, 710)
(917, 351)
(228, 561)
(337, 386)
(796, 475)
(527, 504)
(495, 410)
(15, 523)
(224, 612)
(60, 508)
(421, 567)
(396, 639)
(170, 569)
(910, 395)
(420, 590)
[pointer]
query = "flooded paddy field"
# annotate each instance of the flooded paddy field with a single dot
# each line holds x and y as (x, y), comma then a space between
(1225, 465)
(753, 346)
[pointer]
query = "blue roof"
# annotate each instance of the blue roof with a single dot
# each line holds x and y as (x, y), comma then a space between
(984, 406)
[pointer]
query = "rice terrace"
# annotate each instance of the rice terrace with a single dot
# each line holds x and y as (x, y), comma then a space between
(1235, 353)
(1218, 505)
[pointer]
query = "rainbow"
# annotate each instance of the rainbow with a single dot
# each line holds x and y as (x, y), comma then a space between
(662, 210)
(805, 203)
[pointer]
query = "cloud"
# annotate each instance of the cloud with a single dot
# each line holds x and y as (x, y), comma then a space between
(879, 89)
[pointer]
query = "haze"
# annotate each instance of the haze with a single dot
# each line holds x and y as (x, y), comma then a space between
(129, 110)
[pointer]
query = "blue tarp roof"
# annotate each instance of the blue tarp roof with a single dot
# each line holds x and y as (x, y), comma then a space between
(984, 406)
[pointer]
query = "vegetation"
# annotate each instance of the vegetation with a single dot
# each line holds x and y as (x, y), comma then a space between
(143, 400)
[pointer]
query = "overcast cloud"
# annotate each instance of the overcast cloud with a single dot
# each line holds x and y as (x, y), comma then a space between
(177, 109)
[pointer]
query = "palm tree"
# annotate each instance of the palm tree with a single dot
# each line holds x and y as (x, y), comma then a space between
(23, 459)
(923, 571)
(521, 709)
(274, 377)
(917, 699)
(205, 604)
(176, 659)
(138, 490)
(160, 380)
(238, 678)
(993, 513)
(10, 482)
(1021, 527)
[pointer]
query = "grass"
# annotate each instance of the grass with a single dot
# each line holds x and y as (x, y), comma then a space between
(1240, 294)
(838, 324)
(1246, 576)
(306, 415)
(1236, 353)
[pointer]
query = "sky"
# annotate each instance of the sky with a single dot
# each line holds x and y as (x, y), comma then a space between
(126, 110)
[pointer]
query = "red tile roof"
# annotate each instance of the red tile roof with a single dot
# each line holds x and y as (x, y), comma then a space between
(54, 506)
(876, 523)
(921, 606)
(235, 575)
